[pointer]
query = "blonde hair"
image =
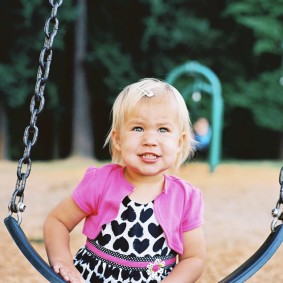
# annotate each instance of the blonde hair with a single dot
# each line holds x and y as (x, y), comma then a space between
(142, 90)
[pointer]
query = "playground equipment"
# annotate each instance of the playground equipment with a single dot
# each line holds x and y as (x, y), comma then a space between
(206, 81)
(17, 206)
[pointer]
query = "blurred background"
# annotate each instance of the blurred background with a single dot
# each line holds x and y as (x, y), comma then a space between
(102, 46)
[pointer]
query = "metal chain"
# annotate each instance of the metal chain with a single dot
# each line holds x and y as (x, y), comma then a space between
(277, 212)
(37, 102)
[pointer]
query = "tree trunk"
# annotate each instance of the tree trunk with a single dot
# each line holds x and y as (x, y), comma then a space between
(56, 147)
(3, 133)
(281, 147)
(82, 136)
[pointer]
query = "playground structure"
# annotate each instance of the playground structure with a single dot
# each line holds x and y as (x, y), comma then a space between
(207, 82)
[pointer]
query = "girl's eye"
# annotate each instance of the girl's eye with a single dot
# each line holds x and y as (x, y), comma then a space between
(163, 130)
(137, 129)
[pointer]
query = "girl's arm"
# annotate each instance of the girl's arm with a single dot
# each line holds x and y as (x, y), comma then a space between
(191, 262)
(57, 227)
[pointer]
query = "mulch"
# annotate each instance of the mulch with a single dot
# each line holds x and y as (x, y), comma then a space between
(238, 198)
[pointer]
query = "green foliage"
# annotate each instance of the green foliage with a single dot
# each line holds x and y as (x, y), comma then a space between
(263, 97)
(33, 12)
(14, 84)
(147, 38)
(21, 47)
(260, 90)
(118, 64)
(264, 18)
(28, 8)
(241, 41)
(169, 25)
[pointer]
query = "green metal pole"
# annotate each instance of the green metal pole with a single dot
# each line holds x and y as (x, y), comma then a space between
(213, 88)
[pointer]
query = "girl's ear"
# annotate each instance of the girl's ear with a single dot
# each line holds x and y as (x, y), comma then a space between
(116, 140)
(181, 141)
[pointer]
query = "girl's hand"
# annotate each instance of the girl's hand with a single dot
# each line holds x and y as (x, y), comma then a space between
(57, 228)
(68, 272)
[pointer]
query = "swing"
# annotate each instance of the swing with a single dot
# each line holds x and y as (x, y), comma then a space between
(17, 206)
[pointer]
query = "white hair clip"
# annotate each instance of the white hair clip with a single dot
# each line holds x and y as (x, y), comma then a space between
(146, 91)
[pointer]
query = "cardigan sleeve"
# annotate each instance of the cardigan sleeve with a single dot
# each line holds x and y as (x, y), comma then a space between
(85, 193)
(193, 215)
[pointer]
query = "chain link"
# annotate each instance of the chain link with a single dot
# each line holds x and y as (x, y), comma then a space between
(37, 102)
(277, 212)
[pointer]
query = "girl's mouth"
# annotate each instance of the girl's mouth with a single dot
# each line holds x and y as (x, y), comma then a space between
(149, 156)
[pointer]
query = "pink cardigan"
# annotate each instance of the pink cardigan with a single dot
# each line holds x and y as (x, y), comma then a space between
(178, 208)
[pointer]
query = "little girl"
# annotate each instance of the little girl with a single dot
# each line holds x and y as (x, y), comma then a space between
(138, 219)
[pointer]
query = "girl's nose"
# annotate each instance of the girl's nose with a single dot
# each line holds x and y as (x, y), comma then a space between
(149, 139)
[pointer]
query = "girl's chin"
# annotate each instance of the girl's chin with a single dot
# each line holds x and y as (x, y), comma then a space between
(147, 171)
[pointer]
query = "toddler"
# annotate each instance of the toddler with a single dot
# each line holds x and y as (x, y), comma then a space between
(142, 224)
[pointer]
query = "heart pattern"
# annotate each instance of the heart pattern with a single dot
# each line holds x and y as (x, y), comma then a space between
(103, 239)
(135, 232)
(155, 230)
(121, 244)
(141, 246)
(146, 214)
(135, 229)
(117, 228)
(158, 245)
(129, 214)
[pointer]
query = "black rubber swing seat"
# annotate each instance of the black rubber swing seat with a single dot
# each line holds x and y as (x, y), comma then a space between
(258, 259)
(29, 252)
(240, 275)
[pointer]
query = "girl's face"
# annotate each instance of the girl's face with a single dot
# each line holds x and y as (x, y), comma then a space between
(150, 138)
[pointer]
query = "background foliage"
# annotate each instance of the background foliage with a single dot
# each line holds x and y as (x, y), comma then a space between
(241, 41)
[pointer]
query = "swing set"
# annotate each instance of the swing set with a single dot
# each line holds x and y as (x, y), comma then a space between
(17, 206)
(207, 82)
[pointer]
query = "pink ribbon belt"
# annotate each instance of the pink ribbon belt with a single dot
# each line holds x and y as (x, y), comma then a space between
(140, 264)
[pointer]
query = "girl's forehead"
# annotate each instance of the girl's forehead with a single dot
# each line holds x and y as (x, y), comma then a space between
(155, 100)
(156, 108)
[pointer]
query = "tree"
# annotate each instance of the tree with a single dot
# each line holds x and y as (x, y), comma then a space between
(261, 93)
(127, 40)
(82, 136)
(3, 133)
(23, 32)
(9, 84)
(264, 19)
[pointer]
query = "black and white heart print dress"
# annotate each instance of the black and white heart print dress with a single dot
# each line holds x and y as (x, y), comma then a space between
(132, 248)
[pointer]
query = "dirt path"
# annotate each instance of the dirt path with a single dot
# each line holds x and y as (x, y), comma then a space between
(238, 199)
